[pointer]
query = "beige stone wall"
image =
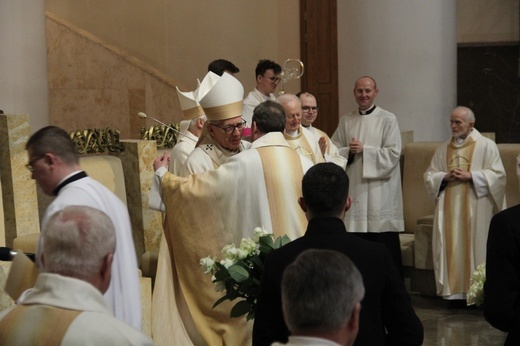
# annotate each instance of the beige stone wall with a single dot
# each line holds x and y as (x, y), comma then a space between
(480, 21)
(20, 209)
(96, 85)
(110, 60)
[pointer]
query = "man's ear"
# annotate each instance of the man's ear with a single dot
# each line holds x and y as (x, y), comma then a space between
(302, 204)
(353, 323)
(348, 203)
(106, 271)
(41, 261)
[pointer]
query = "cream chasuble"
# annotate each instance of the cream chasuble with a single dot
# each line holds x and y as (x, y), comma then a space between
(306, 144)
(331, 153)
(464, 209)
(208, 155)
(375, 177)
(258, 187)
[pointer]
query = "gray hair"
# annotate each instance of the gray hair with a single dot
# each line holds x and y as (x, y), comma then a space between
(288, 98)
(320, 290)
(76, 240)
(470, 116)
(194, 120)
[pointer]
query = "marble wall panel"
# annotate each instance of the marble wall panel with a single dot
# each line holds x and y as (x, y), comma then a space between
(18, 189)
(488, 82)
(75, 109)
(95, 85)
(137, 160)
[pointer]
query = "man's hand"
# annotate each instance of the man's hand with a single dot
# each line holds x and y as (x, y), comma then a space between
(356, 146)
(323, 145)
(161, 161)
(458, 174)
(461, 175)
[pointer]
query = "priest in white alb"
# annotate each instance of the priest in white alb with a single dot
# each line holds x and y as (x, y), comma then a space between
(370, 138)
(467, 179)
(192, 111)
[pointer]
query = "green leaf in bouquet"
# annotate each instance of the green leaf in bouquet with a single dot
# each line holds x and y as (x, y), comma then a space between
(238, 273)
(240, 308)
(257, 261)
(220, 300)
(221, 274)
(250, 316)
(266, 241)
(281, 241)
(245, 287)
(285, 240)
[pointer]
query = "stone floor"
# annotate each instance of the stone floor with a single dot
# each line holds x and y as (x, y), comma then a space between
(448, 326)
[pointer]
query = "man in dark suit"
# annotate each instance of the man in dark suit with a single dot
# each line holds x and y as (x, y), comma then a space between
(502, 286)
(387, 316)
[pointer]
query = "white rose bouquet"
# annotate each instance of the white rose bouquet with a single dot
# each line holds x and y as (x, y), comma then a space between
(240, 269)
(475, 295)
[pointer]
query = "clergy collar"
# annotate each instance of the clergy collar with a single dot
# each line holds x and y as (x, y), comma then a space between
(292, 134)
(368, 111)
(69, 179)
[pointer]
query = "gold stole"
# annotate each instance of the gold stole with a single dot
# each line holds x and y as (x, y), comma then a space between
(301, 145)
(276, 166)
(36, 325)
(457, 223)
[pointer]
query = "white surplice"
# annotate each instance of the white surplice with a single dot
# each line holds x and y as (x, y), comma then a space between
(331, 153)
(124, 293)
(253, 99)
(181, 151)
(375, 177)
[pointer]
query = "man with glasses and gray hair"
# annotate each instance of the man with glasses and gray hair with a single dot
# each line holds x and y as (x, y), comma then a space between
(301, 139)
(221, 101)
(321, 298)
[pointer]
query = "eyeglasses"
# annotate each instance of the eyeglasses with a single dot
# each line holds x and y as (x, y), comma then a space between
(310, 109)
(229, 129)
(274, 79)
(33, 161)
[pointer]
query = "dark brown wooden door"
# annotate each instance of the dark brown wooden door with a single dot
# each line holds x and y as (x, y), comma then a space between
(319, 53)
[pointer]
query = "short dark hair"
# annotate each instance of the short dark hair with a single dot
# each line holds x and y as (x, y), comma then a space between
(219, 66)
(269, 116)
(320, 290)
(264, 65)
(55, 140)
(325, 189)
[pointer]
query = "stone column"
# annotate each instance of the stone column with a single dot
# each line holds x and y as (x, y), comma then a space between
(18, 189)
(23, 83)
(410, 48)
(137, 160)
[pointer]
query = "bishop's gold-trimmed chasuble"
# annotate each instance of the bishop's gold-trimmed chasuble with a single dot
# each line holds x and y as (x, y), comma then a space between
(258, 187)
(463, 210)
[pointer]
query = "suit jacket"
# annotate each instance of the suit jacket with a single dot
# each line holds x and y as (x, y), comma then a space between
(386, 303)
(502, 286)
